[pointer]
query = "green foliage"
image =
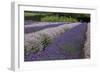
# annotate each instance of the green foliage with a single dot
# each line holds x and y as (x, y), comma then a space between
(29, 14)
(35, 49)
(55, 17)
(45, 41)
(58, 19)
(65, 29)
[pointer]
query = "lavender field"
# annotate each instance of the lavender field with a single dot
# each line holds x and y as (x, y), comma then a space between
(54, 40)
(56, 36)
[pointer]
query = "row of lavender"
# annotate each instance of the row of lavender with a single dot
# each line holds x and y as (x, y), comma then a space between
(38, 41)
(37, 26)
(67, 46)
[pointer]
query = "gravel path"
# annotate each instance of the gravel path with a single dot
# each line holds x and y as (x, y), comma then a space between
(67, 46)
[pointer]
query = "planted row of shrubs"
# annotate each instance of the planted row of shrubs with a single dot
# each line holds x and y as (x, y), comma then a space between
(58, 19)
(35, 42)
(51, 18)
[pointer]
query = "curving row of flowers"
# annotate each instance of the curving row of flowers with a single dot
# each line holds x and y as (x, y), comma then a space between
(36, 42)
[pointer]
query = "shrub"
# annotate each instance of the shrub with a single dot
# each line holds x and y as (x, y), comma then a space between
(45, 41)
(32, 44)
(58, 19)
